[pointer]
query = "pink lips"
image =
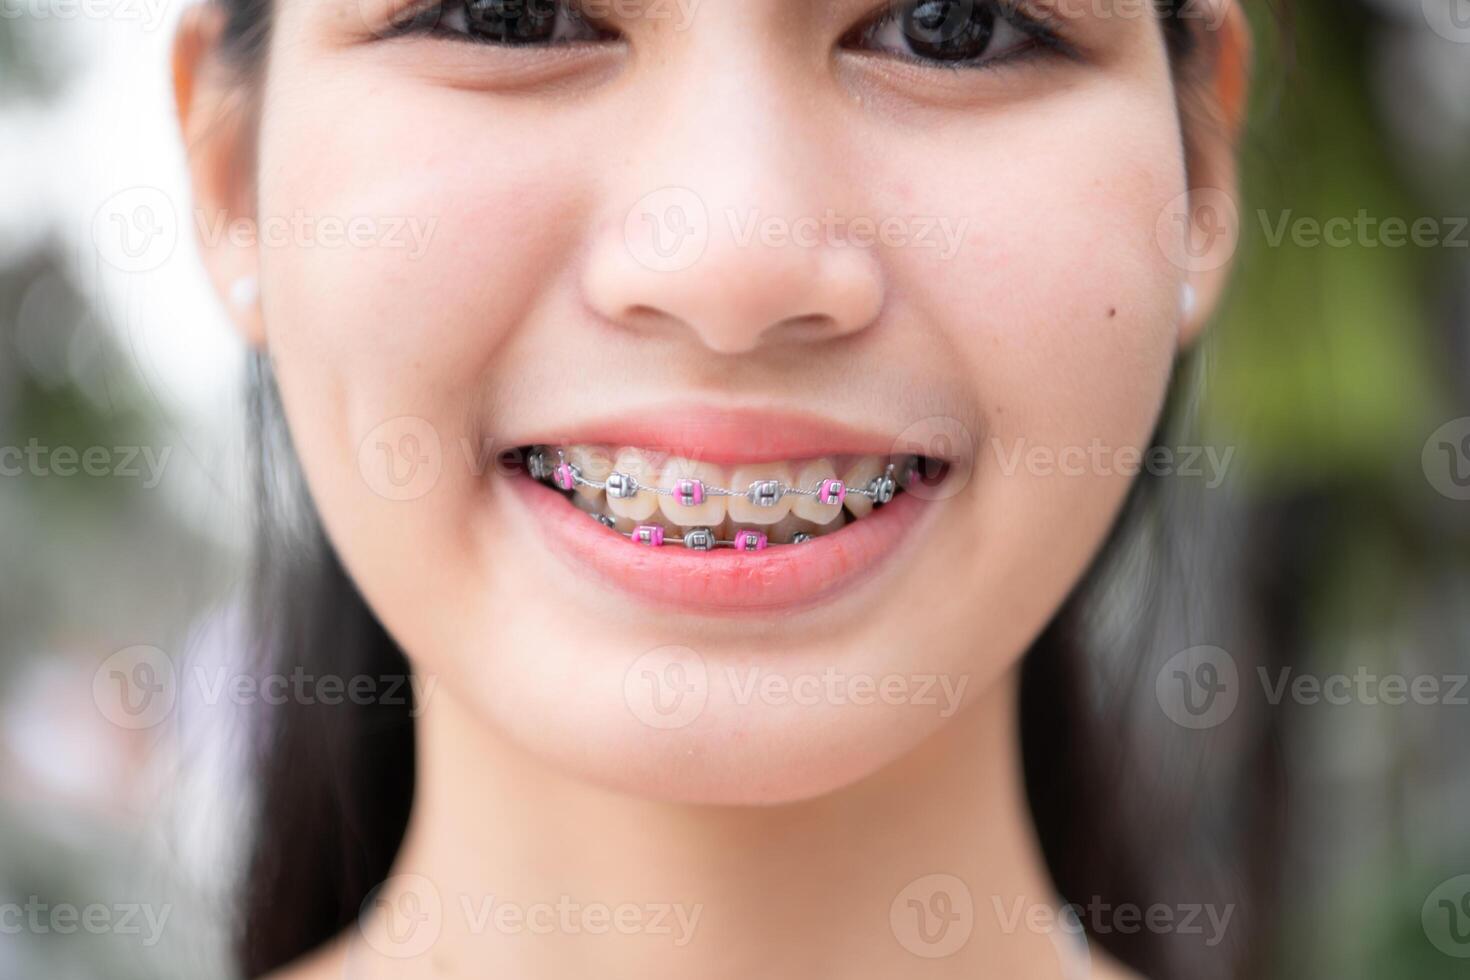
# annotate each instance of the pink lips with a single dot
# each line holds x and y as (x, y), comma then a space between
(725, 581)
(778, 577)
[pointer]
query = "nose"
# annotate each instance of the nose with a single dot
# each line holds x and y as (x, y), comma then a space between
(739, 242)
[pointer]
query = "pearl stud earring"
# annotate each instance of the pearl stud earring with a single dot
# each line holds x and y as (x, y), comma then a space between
(244, 291)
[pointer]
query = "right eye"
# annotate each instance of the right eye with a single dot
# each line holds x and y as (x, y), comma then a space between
(523, 23)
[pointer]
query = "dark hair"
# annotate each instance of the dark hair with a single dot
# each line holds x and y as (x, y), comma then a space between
(1119, 793)
(335, 784)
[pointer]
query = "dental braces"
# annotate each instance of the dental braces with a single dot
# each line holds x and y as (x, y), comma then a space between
(690, 492)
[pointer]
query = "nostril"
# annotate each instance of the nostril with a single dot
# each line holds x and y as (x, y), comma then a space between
(801, 329)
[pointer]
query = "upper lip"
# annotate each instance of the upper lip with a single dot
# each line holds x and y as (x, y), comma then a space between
(724, 435)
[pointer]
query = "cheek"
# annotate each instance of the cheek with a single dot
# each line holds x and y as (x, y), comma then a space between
(1059, 315)
(467, 219)
(384, 352)
(1060, 303)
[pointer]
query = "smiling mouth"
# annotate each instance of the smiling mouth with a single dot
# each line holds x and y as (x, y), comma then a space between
(662, 500)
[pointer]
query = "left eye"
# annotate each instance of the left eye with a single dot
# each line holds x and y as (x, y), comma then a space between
(508, 22)
(960, 33)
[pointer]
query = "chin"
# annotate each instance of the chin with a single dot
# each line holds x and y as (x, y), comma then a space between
(716, 720)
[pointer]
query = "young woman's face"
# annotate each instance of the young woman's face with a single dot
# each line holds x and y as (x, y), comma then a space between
(751, 238)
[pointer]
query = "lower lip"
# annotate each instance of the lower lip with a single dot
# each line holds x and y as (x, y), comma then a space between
(726, 581)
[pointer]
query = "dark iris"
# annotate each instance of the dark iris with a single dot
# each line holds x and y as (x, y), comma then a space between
(948, 30)
(512, 21)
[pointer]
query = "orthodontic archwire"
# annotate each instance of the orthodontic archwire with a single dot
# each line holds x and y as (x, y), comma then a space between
(690, 492)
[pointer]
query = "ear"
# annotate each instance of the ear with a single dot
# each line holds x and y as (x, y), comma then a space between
(1212, 107)
(217, 119)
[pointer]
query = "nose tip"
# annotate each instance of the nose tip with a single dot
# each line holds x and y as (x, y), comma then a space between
(685, 268)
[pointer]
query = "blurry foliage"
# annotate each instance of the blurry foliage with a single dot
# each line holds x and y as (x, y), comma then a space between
(65, 383)
(1330, 369)
(1324, 354)
(24, 69)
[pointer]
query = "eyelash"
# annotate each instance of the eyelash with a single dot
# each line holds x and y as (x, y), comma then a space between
(427, 19)
(1038, 32)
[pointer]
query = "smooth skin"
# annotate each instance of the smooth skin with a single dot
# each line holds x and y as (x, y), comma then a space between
(793, 827)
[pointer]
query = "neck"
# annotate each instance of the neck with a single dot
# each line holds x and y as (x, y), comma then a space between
(537, 874)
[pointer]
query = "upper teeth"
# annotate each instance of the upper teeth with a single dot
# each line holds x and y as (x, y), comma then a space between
(632, 486)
